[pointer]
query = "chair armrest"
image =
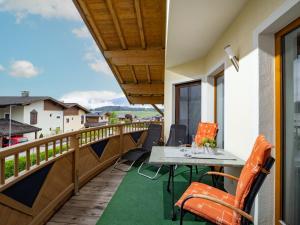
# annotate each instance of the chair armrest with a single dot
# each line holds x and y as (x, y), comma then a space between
(218, 201)
(223, 175)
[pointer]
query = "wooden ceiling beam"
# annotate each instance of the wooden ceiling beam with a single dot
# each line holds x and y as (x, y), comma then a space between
(89, 19)
(148, 73)
(158, 109)
(144, 89)
(146, 99)
(116, 23)
(154, 52)
(140, 22)
(133, 74)
(137, 61)
(117, 73)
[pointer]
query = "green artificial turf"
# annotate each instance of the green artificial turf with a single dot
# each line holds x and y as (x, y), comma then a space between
(141, 201)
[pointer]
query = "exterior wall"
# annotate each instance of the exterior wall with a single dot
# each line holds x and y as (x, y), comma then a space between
(17, 113)
(249, 93)
(49, 121)
(74, 121)
(92, 119)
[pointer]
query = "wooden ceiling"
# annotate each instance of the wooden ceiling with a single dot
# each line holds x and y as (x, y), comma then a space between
(131, 36)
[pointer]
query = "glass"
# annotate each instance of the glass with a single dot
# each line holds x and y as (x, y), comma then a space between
(189, 106)
(220, 110)
(291, 127)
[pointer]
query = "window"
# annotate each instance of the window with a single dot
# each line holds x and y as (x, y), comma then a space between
(6, 116)
(82, 119)
(68, 120)
(219, 107)
(33, 117)
(188, 106)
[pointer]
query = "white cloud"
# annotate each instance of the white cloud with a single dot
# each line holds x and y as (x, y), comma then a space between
(92, 99)
(81, 32)
(23, 68)
(1, 68)
(47, 8)
(96, 61)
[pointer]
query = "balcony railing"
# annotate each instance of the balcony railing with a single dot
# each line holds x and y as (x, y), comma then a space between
(39, 176)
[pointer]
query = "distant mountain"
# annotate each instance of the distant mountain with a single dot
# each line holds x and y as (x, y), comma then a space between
(122, 101)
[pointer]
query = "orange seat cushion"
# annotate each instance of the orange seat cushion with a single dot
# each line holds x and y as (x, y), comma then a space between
(206, 130)
(260, 152)
(207, 209)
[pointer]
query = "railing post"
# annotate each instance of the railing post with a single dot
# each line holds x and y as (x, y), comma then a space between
(74, 144)
(2, 171)
(121, 138)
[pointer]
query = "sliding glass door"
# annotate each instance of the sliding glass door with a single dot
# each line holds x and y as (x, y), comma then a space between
(290, 153)
(219, 108)
(188, 106)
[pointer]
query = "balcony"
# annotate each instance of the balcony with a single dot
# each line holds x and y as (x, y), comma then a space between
(37, 178)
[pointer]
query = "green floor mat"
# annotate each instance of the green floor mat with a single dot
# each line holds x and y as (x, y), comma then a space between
(141, 201)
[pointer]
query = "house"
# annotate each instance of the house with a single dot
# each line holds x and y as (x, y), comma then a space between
(40, 111)
(95, 119)
(11, 128)
(74, 117)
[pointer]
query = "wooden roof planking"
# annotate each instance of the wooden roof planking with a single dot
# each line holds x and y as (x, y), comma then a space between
(131, 36)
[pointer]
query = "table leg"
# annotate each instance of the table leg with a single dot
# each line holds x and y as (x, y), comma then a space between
(169, 180)
(172, 193)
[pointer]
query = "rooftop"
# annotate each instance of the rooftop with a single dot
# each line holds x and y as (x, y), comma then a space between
(25, 100)
(17, 128)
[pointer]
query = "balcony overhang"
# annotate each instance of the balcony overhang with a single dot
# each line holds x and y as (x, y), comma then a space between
(131, 37)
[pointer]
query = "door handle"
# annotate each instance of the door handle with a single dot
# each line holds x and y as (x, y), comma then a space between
(282, 223)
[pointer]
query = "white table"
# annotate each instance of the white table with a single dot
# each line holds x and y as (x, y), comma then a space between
(162, 155)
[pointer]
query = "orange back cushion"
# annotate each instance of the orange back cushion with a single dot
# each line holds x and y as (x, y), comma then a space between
(260, 152)
(206, 130)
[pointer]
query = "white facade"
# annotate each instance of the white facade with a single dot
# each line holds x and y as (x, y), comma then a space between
(249, 93)
(50, 121)
(74, 122)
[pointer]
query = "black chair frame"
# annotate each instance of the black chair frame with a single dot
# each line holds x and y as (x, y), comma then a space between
(259, 180)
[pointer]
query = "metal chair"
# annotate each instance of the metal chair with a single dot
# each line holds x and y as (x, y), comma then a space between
(177, 137)
(220, 207)
(153, 137)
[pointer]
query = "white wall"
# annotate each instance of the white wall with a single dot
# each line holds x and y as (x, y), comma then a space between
(17, 113)
(74, 122)
(44, 120)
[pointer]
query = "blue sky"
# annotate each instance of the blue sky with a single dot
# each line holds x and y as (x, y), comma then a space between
(45, 48)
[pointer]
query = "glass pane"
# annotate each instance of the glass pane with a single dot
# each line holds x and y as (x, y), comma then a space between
(189, 112)
(220, 111)
(291, 126)
(194, 110)
(183, 105)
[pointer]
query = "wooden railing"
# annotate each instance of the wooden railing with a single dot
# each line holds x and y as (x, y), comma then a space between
(75, 158)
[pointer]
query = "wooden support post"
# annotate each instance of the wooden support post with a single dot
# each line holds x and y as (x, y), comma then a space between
(74, 144)
(121, 139)
(1, 142)
(28, 161)
(38, 156)
(2, 171)
(16, 165)
(157, 109)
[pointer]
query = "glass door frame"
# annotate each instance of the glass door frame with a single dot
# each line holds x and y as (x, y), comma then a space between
(177, 96)
(279, 117)
(216, 77)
